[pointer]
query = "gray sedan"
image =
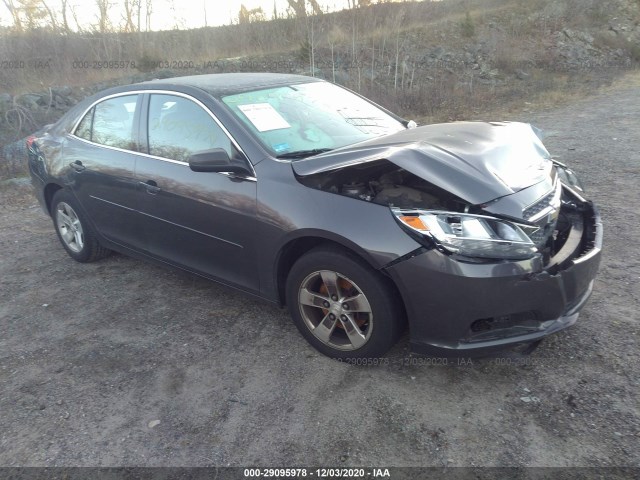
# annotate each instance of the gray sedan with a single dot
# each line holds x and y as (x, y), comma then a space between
(308, 195)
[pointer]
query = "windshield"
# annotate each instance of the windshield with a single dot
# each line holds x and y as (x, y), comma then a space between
(306, 119)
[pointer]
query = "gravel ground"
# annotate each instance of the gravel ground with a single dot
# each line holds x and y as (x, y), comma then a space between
(121, 363)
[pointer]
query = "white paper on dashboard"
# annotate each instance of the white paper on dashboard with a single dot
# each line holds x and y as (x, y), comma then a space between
(263, 116)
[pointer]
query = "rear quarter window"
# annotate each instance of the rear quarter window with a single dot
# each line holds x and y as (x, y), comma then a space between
(84, 127)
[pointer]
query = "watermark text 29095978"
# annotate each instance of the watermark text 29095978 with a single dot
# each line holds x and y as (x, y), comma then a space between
(103, 64)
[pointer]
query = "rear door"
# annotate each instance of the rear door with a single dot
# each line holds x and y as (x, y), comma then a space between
(201, 221)
(101, 155)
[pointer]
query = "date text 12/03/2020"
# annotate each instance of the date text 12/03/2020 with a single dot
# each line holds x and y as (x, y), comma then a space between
(376, 472)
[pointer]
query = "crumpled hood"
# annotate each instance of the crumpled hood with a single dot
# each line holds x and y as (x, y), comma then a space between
(476, 161)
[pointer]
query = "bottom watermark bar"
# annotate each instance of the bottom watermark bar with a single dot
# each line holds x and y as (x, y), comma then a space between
(394, 473)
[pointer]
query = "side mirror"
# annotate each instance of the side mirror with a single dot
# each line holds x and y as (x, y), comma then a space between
(215, 160)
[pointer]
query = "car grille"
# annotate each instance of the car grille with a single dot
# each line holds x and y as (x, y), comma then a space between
(544, 214)
(539, 206)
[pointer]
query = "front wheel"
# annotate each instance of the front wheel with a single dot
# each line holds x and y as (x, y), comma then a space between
(344, 308)
(74, 231)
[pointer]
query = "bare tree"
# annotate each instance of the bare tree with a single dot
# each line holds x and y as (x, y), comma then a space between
(312, 57)
(148, 11)
(243, 14)
(399, 19)
(33, 12)
(72, 9)
(204, 8)
(65, 21)
(249, 16)
(52, 18)
(257, 15)
(315, 7)
(138, 4)
(15, 14)
(335, 36)
(103, 15)
(299, 7)
(127, 15)
(351, 4)
(178, 21)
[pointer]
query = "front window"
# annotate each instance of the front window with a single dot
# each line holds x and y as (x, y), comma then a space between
(298, 120)
(178, 127)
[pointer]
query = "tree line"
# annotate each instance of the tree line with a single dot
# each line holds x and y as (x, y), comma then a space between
(136, 15)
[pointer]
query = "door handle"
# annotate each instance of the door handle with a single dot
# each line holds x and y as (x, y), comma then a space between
(77, 166)
(151, 186)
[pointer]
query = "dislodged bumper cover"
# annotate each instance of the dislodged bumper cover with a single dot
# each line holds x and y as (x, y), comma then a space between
(456, 308)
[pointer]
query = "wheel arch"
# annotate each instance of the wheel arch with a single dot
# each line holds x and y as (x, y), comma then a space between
(295, 248)
(49, 191)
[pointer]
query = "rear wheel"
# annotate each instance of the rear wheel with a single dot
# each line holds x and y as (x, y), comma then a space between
(74, 231)
(344, 308)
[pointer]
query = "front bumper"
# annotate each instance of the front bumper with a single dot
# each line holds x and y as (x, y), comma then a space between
(460, 309)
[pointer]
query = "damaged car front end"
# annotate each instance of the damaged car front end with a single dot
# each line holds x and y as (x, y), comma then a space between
(509, 244)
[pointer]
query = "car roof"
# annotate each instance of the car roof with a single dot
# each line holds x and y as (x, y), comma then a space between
(215, 84)
(221, 84)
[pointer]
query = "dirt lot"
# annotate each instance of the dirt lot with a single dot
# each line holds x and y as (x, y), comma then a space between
(124, 363)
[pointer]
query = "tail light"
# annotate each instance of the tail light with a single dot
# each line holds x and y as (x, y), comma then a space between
(30, 140)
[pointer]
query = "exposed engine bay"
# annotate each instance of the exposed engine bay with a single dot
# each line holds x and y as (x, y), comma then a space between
(384, 183)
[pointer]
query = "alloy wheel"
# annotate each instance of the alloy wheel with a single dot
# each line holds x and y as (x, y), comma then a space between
(335, 310)
(69, 227)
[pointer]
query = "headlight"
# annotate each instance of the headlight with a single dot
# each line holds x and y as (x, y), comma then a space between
(469, 235)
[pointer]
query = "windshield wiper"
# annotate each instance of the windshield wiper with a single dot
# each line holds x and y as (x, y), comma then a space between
(304, 153)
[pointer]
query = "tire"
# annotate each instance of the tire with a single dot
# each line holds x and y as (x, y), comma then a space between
(75, 232)
(367, 315)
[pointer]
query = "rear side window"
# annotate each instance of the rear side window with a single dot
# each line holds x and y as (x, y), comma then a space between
(110, 123)
(179, 127)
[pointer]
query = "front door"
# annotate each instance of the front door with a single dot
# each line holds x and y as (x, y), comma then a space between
(205, 222)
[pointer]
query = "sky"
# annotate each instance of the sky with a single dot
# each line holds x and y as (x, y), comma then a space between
(168, 14)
